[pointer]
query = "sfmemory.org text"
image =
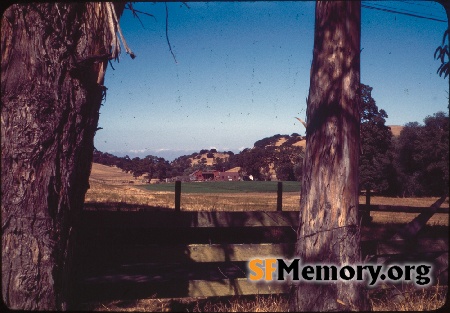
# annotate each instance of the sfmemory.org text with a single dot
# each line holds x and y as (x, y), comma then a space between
(274, 269)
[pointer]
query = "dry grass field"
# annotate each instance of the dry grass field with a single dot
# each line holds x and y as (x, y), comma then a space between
(133, 194)
(102, 193)
(105, 189)
(429, 299)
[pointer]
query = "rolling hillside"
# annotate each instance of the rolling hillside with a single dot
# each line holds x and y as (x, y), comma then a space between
(210, 157)
(114, 175)
(110, 175)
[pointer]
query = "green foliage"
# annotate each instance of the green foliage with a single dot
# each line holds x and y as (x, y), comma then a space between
(422, 157)
(442, 54)
(286, 158)
(375, 162)
(288, 162)
(152, 166)
(267, 141)
(253, 160)
(179, 165)
(414, 164)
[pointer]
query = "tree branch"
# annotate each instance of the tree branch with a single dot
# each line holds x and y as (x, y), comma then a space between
(167, 32)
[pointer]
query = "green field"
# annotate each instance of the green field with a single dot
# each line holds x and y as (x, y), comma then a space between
(227, 187)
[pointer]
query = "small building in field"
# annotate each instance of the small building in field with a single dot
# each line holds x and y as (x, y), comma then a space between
(200, 175)
(214, 175)
(229, 176)
(196, 176)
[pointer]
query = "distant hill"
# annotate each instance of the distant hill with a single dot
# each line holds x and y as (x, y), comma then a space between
(209, 157)
(110, 174)
(271, 151)
(396, 129)
(299, 143)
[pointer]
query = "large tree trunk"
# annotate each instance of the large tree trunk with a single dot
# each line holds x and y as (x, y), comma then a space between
(329, 223)
(54, 56)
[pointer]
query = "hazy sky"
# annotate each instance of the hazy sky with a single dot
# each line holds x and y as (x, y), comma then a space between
(242, 73)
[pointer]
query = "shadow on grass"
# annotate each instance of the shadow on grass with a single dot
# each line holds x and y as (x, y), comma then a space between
(127, 252)
(123, 206)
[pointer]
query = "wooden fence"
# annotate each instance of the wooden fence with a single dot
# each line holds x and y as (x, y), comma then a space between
(366, 208)
(132, 255)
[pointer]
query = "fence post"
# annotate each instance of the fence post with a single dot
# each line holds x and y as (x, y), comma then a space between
(367, 195)
(366, 219)
(280, 196)
(177, 196)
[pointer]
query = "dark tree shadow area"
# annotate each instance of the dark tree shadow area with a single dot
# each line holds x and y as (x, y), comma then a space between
(127, 252)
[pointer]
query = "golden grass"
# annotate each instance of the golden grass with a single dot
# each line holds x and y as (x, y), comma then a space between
(104, 193)
(409, 299)
(111, 175)
(414, 299)
(258, 303)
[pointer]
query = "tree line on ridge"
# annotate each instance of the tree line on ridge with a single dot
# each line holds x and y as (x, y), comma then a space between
(415, 163)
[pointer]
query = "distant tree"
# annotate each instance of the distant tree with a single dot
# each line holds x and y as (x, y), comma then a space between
(179, 165)
(124, 164)
(252, 161)
(161, 168)
(290, 140)
(434, 144)
(407, 167)
(422, 157)
(137, 167)
(298, 171)
(285, 171)
(374, 163)
(267, 141)
(105, 158)
(221, 164)
(287, 160)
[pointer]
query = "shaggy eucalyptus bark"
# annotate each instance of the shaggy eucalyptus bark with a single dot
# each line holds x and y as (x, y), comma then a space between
(54, 56)
(329, 223)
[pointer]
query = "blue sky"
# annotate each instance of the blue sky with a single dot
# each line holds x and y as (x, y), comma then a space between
(242, 73)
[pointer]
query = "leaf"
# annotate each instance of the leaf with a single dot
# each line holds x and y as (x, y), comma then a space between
(443, 53)
(446, 33)
(438, 49)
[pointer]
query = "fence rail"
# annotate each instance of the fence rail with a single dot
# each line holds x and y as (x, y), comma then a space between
(130, 255)
(367, 207)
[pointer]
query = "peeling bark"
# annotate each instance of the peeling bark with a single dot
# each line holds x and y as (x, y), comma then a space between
(54, 56)
(329, 223)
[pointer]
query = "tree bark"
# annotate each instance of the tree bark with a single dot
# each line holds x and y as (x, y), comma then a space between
(329, 222)
(54, 56)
